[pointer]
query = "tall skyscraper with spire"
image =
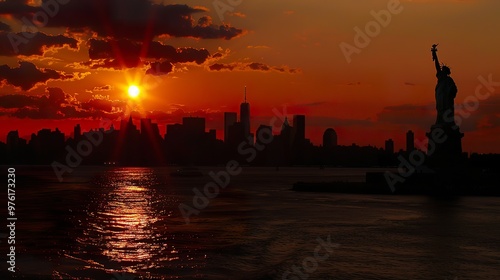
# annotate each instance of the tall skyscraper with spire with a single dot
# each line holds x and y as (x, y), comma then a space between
(245, 116)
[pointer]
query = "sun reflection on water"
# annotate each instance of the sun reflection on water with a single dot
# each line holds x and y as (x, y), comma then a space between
(129, 215)
(122, 224)
(130, 224)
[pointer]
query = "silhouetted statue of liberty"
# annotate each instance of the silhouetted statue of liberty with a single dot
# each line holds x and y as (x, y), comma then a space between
(446, 90)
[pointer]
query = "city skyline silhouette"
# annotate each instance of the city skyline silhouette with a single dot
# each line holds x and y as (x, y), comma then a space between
(190, 142)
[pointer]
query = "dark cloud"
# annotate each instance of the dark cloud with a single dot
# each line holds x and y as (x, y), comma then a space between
(99, 104)
(205, 21)
(27, 75)
(111, 63)
(251, 66)
(102, 88)
(57, 104)
(124, 53)
(160, 68)
(17, 101)
(38, 113)
(258, 66)
(56, 96)
(115, 54)
(15, 7)
(13, 44)
(217, 55)
(222, 66)
(37, 107)
(183, 55)
(139, 20)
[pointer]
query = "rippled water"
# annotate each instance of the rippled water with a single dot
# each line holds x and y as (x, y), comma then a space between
(124, 223)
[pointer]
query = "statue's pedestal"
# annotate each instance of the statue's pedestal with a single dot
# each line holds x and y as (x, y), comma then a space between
(445, 146)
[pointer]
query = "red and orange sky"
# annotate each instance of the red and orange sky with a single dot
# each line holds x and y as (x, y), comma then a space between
(193, 58)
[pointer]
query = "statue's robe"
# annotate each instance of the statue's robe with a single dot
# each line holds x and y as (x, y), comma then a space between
(446, 90)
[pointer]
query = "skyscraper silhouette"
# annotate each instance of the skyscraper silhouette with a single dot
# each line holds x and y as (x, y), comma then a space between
(47, 144)
(299, 129)
(329, 138)
(410, 141)
(230, 118)
(194, 126)
(389, 146)
(128, 127)
(146, 127)
(245, 116)
(16, 148)
(286, 133)
(299, 139)
(12, 139)
(77, 132)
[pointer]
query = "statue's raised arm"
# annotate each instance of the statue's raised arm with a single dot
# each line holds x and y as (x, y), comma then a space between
(435, 58)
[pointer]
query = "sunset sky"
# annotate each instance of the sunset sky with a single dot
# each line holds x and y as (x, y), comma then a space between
(189, 58)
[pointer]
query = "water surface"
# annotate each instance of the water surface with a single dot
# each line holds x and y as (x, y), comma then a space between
(125, 223)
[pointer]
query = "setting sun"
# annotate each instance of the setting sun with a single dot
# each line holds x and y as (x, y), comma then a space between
(133, 91)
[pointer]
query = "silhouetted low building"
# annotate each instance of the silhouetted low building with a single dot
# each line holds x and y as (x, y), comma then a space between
(329, 138)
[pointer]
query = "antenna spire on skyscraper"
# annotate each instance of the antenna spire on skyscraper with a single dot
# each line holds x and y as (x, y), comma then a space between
(245, 116)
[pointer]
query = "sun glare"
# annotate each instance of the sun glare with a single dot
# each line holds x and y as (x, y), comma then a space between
(133, 91)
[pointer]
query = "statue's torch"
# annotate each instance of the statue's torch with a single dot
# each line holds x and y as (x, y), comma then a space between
(434, 50)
